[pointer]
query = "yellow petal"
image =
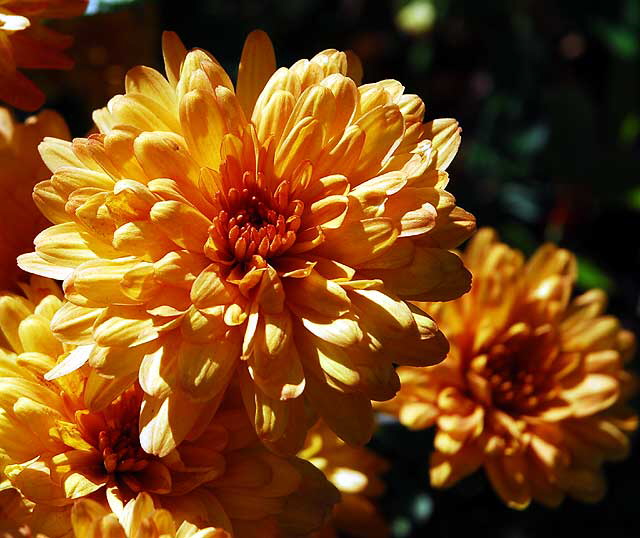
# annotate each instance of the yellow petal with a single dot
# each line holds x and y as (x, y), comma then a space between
(383, 127)
(418, 415)
(50, 203)
(165, 422)
(327, 361)
(275, 365)
(72, 361)
(447, 469)
(184, 225)
(13, 310)
(319, 294)
(204, 127)
(205, 370)
(35, 483)
(74, 324)
(346, 96)
(64, 245)
(86, 513)
(594, 393)
(34, 264)
(357, 242)
(146, 81)
(209, 289)
(388, 316)
(143, 113)
(271, 119)
(433, 275)
(57, 153)
(328, 212)
(270, 416)
(257, 64)
(343, 332)
(445, 141)
(315, 102)
(180, 268)
(349, 415)
(174, 54)
(99, 282)
(100, 391)
(344, 156)
(159, 370)
(124, 326)
(508, 477)
(302, 143)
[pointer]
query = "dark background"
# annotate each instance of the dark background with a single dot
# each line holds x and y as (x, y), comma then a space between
(547, 94)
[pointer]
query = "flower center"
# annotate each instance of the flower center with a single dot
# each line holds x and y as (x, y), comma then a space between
(520, 373)
(118, 439)
(253, 222)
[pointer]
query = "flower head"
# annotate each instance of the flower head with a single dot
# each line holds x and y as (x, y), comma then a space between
(20, 169)
(272, 234)
(534, 389)
(54, 451)
(355, 471)
(26, 43)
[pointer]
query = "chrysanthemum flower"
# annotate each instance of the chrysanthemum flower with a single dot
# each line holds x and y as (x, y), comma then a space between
(355, 471)
(140, 517)
(273, 234)
(26, 44)
(54, 451)
(534, 389)
(20, 169)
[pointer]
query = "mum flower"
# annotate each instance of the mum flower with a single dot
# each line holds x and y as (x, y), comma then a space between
(534, 389)
(55, 451)
(355, 471)
(20, 169)
(270, 234)
(26, 44)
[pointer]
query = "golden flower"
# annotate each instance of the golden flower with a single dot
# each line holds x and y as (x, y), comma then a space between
(140, 517)
(26, 44)
(534, 388)
(272, 235)
(54, 450)
(355, 471)
(20, 169)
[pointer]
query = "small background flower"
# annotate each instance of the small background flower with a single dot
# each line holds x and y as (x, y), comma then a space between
(534, 389)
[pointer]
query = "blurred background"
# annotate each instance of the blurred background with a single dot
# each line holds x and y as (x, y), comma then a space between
(548, 96)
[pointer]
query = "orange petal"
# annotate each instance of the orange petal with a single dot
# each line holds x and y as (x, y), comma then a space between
(257, 64)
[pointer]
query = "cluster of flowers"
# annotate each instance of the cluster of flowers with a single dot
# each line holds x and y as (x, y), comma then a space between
(243, 268)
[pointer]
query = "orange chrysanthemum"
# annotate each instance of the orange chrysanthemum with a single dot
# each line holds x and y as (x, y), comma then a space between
(355, 471)
(26, 44)
(272, 234)
(20, 169)
(55, 449)
(534, 388)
